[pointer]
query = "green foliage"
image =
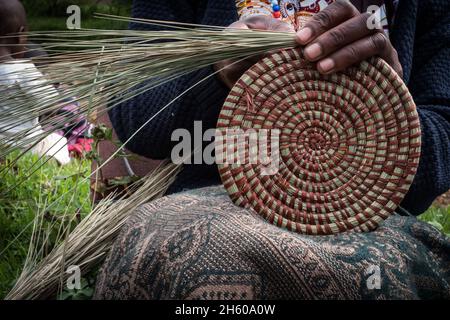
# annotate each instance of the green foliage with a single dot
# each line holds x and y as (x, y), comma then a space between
(49, 7)
(56, 23)
(23, 197)
(87, 284)
(84, 293)
(51, 15)
(439, 218)
(58, 8)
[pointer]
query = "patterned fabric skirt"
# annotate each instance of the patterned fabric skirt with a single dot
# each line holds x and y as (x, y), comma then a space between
(199, 245)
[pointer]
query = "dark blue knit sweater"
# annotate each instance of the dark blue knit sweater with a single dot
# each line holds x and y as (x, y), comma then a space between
(421, 35)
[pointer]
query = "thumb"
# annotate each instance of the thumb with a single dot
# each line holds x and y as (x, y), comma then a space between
(238, 25)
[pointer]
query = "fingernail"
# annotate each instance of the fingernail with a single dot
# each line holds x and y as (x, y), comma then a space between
(304, 34)
(326, 65)
(313, 51)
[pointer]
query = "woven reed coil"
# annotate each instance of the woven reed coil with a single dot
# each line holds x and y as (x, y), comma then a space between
(348, 144)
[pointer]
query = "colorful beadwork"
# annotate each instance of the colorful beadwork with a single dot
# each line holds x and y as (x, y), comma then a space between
(295, 12)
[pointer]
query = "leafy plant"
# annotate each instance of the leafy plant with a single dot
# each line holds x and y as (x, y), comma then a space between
(23, 196)
(89, 241)
(439, 218)
(84, 293)
(43, 15)
(58, 8)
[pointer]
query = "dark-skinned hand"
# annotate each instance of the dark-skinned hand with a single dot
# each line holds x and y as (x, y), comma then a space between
(335, 38)
(340, 36)
(231, 71)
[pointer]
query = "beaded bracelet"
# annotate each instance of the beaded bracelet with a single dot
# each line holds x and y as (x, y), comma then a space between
(248, 8)
(276, 9)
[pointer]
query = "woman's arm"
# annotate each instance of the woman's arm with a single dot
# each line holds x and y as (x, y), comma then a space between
(430, 86)
(202, 103)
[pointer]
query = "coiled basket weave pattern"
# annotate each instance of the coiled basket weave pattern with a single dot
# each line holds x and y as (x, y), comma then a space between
(349, 144)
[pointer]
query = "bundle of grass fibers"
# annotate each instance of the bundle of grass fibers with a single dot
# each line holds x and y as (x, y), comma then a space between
(100, 69)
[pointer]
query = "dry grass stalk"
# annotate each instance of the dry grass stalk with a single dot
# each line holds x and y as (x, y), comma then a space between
(94, 66)
(91, 240)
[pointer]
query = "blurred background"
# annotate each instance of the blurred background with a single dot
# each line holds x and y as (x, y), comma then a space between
(51, 14)
(26, 186)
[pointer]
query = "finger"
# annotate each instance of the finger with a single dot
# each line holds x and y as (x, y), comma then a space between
(229, 71)
(338, 37)
(374, 45)
(262, 23)
(258, 22)
(238, 25)
(282, 26)
(268, 23)
(330, 17)
(393, 60)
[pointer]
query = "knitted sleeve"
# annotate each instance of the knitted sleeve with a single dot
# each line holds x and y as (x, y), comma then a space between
(429, 84)
(202, 103)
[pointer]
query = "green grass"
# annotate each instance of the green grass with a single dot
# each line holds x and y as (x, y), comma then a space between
(19, 205)
(57, 23)
(21, 201)
(439, 218)
(40, 22)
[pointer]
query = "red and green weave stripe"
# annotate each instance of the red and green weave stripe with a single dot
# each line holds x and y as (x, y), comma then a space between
(349, 145)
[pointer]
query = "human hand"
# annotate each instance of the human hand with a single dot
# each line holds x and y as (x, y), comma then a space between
(339, 37)
(230, 70)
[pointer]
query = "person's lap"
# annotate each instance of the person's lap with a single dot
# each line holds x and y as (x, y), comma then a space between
(199, 245)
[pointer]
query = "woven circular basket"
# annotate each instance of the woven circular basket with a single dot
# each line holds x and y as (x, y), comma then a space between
(318, 154)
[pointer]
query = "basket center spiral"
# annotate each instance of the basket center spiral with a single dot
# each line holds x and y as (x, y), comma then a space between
(317, 141)
(348, 144)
